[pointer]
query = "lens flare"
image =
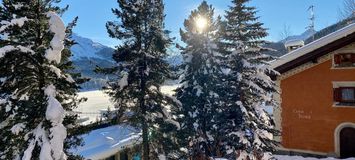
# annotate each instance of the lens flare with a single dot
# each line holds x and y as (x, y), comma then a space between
(201, 23)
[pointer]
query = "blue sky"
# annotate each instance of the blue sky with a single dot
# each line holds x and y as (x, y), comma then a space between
(93, 14)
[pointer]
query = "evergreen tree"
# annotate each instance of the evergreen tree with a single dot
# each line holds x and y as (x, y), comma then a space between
(141, 69)
(202, 84)
(37, 92)
(249, 129)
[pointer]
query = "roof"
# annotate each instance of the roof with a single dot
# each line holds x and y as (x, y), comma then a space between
(312, 51)
(105, 142)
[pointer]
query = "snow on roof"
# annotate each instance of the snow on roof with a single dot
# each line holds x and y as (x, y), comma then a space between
(314, 45)
(294, 42)
(105, 142)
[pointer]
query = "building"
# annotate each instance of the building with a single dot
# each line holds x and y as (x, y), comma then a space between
(317, 96)
(291, 45)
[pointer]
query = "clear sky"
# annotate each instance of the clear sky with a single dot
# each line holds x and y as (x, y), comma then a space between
(93, 14)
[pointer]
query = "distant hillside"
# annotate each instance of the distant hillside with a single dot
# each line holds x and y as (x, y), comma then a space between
(305, 35)
(88, 54)
(86, 48)
(308, 37)
(279, 47)
(330, 29)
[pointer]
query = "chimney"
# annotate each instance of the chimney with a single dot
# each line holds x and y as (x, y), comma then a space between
(293, 44)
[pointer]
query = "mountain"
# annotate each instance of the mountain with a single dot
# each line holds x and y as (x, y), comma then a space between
(305, 35)
(86, 48)
(330, 29)
(279, 47)
(88, 54)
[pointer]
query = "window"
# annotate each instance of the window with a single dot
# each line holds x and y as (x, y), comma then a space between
(344, 95)
(111, 158)
(344, 60)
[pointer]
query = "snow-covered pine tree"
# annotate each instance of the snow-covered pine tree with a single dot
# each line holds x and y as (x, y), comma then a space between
(141, 69)
(37, 93)
(249, 128)
(202, 84)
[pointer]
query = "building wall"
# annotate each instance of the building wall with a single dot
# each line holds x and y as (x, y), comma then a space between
(308, 117)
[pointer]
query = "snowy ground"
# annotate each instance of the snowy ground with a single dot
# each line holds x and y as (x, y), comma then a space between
(90, 110)
(302, 158)
(98, 100)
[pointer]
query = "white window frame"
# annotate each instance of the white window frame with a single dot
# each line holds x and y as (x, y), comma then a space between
(338, 67)
(338, 84)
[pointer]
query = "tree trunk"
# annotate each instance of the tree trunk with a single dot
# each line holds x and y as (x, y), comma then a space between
(145, 140)
(145, 132)
(144, 112)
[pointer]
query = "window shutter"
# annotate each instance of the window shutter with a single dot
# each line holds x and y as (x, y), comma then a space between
(337, 59)
(352, 58)
(337, 94)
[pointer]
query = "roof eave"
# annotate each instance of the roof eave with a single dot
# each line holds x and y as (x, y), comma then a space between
(315, 49)
(312, 56)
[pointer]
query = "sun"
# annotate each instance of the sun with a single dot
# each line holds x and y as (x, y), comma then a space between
(201, 23)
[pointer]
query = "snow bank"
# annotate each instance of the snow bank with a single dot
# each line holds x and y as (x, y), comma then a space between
(57, 43)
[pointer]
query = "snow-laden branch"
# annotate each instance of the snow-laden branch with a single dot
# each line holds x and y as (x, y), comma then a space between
(55, 113)
(16, 21)
(10, 48)
(57, 27)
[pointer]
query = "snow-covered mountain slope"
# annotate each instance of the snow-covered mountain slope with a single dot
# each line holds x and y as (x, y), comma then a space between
(305, 35)
(87, 55)
(332, 28)
(86, 48)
